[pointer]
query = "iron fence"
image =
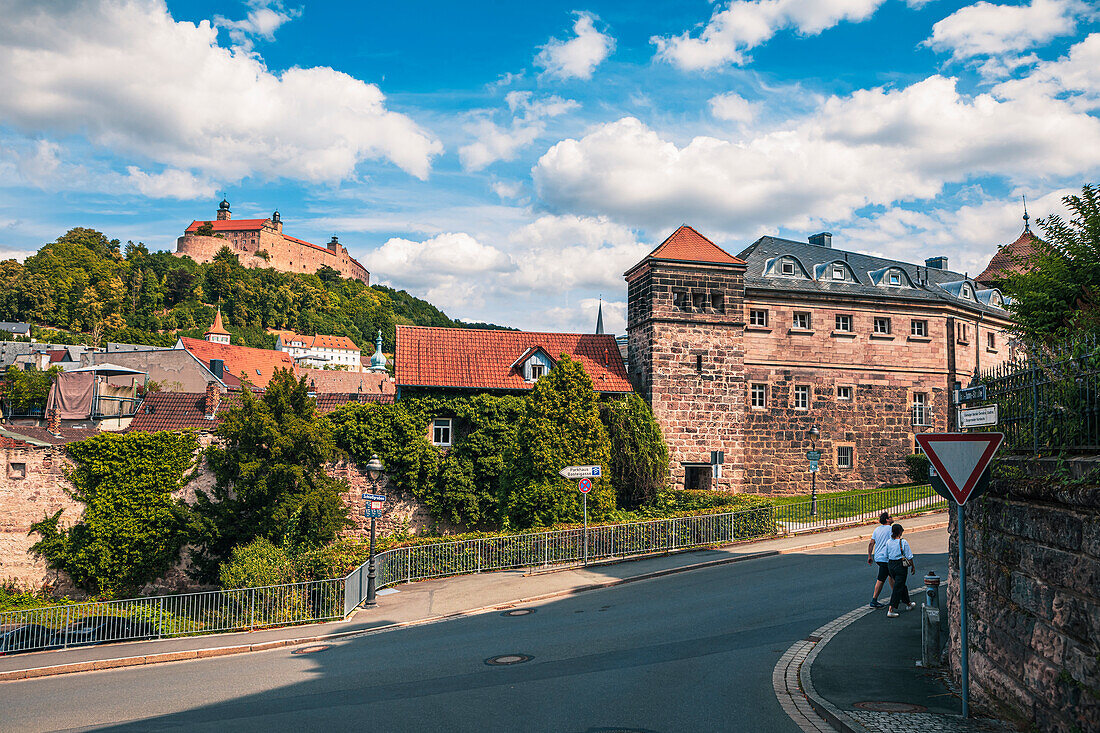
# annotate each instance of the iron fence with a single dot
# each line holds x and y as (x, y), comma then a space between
(1047, 405)
(156, 617)
(605, 542)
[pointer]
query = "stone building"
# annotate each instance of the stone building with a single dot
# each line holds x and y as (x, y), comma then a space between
(745, 354)
(320, 351)
(261, 243)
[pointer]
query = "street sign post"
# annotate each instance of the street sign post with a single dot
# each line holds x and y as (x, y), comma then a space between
(813, 466)
(585, 485)
(373, 510)
(961, 461)
(977, 417)
(813, 455)
(575, 472)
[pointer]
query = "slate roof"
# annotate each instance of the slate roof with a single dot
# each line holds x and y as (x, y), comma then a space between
(927, 282)
(1009, 258)
(187, 410)
(257, 365)
(482, 359)
(687, 245)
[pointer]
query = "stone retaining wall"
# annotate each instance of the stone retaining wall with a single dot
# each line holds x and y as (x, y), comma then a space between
(1033, 596)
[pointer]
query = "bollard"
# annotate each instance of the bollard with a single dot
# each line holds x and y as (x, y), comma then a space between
(932, 584)
(930, 637)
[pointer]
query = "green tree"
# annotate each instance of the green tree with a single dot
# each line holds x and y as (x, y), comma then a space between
(560, 427)
(639, 456)
(1057, 295)
(25, 390)
(271, 481)
(132, 529)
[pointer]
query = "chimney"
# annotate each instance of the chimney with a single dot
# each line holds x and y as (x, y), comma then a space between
(936, 263)
(217, 366)
(824, 239)
(53, 422)
(213, 398)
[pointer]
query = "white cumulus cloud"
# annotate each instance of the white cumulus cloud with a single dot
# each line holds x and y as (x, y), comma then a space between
(743, 25)
(577, 57)
(171, 183)
(496, 142)
(263, 19)
(985, 29)
(1077, 75)
(733, 107)
(135, 81)
(875, 146)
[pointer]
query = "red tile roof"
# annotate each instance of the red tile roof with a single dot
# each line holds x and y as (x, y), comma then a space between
(42, 435)
(687, 245)
(9, 442)
(187, 410)
(228, 225)
(256, 365)
(320, 341)
(1009, 258)
(217, 327)
(335, 380)
(482, 359)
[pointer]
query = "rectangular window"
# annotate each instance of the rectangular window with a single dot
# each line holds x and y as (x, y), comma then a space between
(759, 395)
(718, 302)
(963, 330)
(801, 397)
(537, 371)
(838, 273)
(845, 456)
(17, 470)
(990, 341)
(922, 413)
(844, 392)
(882, 325)
(441, 431)
(758, 318)
(918, 328)
(895, 278)
(801, 321)
(680, 299)
(699, 300)
(788, 267)
(843, 322)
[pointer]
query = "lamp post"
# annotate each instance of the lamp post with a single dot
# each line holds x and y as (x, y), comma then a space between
(376, 472)
(814, 432)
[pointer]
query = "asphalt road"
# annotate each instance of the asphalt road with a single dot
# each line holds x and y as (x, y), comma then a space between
(687, 652)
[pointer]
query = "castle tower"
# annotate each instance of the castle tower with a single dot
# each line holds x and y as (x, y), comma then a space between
(224, 214)
(277, 221)
(217, 334)
(685, 329)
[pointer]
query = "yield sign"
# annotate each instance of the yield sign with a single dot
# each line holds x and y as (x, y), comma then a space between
(960, 458)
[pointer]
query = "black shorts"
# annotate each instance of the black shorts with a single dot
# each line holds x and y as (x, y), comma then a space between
(883, 571)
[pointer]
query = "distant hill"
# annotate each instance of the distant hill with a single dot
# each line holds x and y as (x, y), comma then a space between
(90, 288)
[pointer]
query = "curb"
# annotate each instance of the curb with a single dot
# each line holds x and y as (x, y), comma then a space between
(180, 656)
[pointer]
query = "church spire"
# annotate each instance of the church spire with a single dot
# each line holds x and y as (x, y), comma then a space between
(1026, 217)
(599, 319)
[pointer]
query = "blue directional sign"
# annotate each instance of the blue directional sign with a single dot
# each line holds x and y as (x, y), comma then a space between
(373, 509)
(813, 466)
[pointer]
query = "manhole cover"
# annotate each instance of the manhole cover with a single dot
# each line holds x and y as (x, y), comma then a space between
(518, 612)
(882, 706)
(505, 659)
(310, 649)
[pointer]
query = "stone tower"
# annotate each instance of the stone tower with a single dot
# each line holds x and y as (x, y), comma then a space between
(685, 326)
(224, 214)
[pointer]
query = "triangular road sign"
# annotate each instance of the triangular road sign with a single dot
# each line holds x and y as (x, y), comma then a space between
(960, 458)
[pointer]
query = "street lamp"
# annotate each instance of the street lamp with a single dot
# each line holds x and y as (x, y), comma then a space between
(814, 433)
(376, 472)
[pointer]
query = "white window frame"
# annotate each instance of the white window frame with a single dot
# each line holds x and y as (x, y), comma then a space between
(787, 267)
(880, 320)
(758, 391)
(540, 368)
(838, 272)
(761, 322)
(842, 318)
(894, 277)
(801, 399)
(850, 452)
(840, 396)
(442, 427)
(801, 315)
(921, 409)
(918, 327)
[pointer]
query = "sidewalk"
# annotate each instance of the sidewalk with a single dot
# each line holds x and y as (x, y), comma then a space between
(865, 678)
(429, 601)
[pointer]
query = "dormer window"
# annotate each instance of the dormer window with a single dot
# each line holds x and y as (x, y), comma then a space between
(788, 267)
(966, 293)
(537, 371)
(895, 278)
(838, 273)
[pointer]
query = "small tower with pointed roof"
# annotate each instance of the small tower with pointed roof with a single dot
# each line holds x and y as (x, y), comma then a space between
(685, 332)
(599, 319)
(224, 214)
(378, 360)
(217, 334)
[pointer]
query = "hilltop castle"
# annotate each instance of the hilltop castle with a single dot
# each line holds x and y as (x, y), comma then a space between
(261, 243)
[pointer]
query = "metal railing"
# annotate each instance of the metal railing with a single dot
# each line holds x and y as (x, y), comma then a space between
(542, 549)
(156, 617)
(1047, 404)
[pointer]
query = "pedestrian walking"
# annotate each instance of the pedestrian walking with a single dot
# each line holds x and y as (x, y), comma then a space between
(876, 554)
(900, 562)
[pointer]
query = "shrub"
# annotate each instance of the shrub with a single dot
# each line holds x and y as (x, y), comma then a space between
(332, 561)
(639, 456)
(917, 465)
(256, 564)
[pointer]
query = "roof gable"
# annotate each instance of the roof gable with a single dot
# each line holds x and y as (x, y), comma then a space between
(482, 359)
(687, 245)
(1009, 259)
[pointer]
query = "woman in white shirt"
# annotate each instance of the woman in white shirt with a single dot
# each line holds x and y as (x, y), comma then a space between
(897, 552)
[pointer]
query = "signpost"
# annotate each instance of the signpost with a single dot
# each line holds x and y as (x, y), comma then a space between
(977, 417)
(970, 394)
(960, 461)
(585, 474)
(717, 460)
(373, 509)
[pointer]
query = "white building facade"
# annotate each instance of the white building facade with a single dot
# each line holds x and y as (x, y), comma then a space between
(321, 351)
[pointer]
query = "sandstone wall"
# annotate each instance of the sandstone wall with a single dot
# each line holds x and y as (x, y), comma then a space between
(1033, 598)
(283, 253)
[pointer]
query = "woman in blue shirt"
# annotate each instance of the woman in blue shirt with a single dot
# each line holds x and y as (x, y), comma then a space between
(897, 552)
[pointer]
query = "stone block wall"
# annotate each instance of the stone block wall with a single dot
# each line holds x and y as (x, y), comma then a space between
(1033, 598)
(286, 254)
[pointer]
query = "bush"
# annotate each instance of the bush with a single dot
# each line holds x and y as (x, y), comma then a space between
(333, 561)
(917, 465)
(256, 564)
(639, 456)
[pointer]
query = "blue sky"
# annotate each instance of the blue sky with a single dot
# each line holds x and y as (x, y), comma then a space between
(508, 161)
